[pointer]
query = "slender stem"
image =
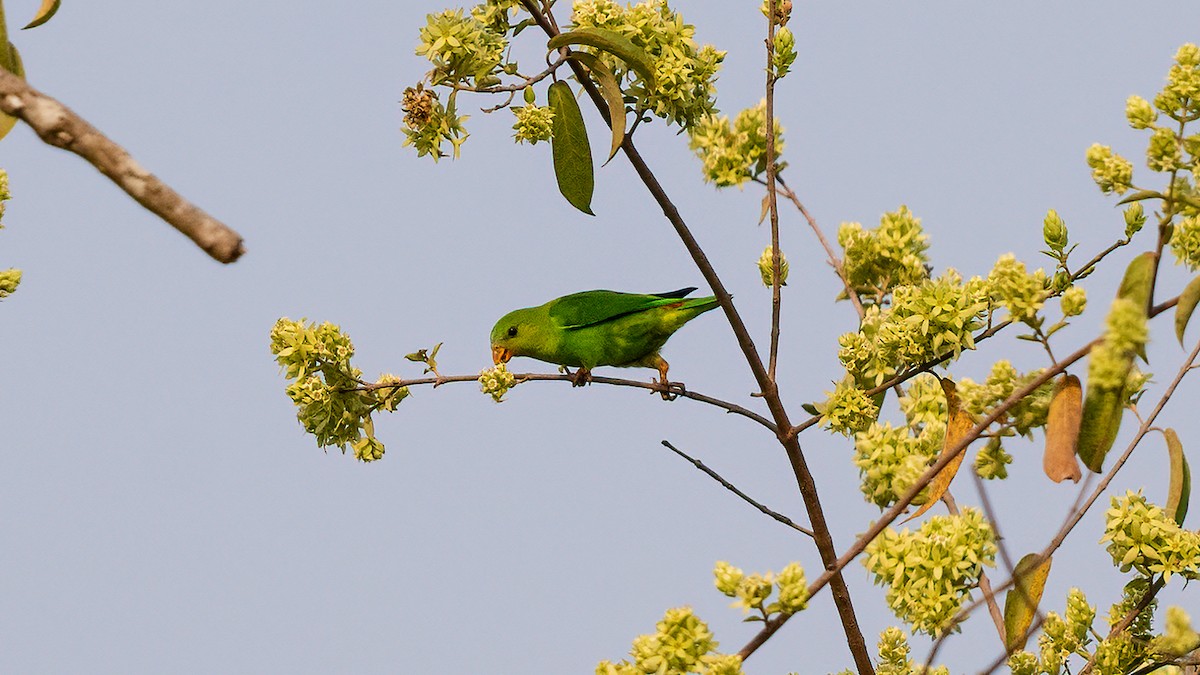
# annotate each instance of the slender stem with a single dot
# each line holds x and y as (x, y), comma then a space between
(772, 197)
(732, 488)
(518, 86)
(546, 377)
(1127, 620)
(804, 478)
(834, 259)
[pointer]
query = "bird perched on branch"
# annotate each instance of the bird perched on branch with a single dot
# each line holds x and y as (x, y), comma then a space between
(598, 328)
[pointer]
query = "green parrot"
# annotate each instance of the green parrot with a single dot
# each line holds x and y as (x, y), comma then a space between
(598, 328)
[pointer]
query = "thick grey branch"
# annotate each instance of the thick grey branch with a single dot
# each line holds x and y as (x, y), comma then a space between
(57, 125)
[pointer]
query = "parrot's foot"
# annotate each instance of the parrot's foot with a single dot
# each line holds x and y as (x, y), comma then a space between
(581, 377)
(669, 390)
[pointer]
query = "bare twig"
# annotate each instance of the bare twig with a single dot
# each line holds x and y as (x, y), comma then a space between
(57, 125)
(732, 488)
(834, 260)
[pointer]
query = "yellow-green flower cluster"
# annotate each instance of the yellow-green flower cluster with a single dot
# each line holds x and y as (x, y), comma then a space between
(924, 402)
(1022, 293)
(1163, 153)
(890, 460)
(1139, 112)
(766, 268)
(1179, 638)
(1073, 301)
(534, 123)
(894, 656)
(1142, 537)
(4, 193)
(9, 280)
(462, 48)
(1028, 414)
(1180, 98)
(1110, 171)
(682, 644)
(1061, 637)
(925, 321)
(991, 463)
(684, 73)
(734, 153)
(928, 573)
(1125, 334)
(751, 592)
(890, 255)
(317, 360)
(496, 382)
(1185, 242)
(848, 410)
(428, 124)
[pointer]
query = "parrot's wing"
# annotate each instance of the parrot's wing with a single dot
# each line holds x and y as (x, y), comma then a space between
(589, 308)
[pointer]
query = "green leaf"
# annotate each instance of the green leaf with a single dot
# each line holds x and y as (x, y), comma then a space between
(1180, 491)
(612, 96)
(1141, 196)
(612, 42)
(1187, 304)
(1020, 604)
(10, 60)
(47, 10)
(1102, 409)
(572, 153)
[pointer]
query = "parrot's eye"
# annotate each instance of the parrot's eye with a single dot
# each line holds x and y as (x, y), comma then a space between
(512, 331)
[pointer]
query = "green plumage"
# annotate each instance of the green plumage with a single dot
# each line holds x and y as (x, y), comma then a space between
(598, 328)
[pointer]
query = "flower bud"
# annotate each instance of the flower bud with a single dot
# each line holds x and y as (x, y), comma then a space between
(1135, 218)
(1054, 231)
(530, 96)
(765, 268)
(1139, 112)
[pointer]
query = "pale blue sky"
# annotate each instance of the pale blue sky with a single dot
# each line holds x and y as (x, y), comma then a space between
(162, 511)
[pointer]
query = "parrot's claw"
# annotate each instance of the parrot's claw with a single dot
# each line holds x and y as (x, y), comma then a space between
(581, 377)
(669, 390)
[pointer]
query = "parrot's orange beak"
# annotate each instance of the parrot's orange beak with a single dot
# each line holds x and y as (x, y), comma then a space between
(501, 354)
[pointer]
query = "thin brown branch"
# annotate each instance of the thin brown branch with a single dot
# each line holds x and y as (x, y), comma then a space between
(770, 393)
(546, 377)
(947, 456)
(985, 584)
(57, 125)
(733, 488)
(834, 259)
(518, 86)
(772, 197)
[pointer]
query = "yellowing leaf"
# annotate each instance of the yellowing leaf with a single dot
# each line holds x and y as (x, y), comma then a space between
(47, 10)
(1180, 491)
(612, 42)
(1020, 604)
(958, 424)
(1187, 304)
(611, 91)
(1062, 430)
(571, 150)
